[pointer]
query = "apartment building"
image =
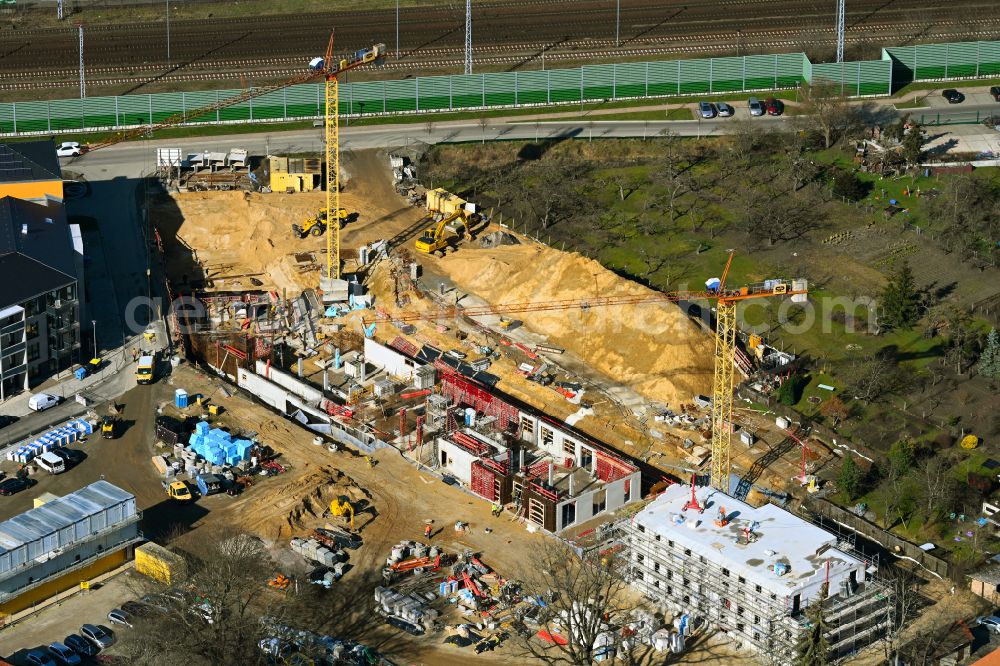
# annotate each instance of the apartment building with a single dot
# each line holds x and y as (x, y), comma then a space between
(41, 264)
(752, 572)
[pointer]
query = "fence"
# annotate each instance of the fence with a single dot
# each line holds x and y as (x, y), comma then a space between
(590, 83)
(932, 62)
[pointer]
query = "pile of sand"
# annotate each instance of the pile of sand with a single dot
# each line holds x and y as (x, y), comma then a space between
(654, 348)
(290, 503)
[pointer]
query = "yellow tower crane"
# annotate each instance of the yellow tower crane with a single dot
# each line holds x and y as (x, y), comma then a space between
(332, 68)
(725, 339)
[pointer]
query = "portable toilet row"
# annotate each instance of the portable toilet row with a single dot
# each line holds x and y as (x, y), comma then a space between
(64, 435)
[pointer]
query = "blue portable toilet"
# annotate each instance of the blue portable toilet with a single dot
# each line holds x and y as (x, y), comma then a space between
(180, 399)
(80, 373)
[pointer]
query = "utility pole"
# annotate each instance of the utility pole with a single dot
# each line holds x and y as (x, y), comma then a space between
(840, 30)
(468, 36)
(93, 322)
(618, 22)
(397, 29)
(83, 80)
(168, 33)
(59, 10)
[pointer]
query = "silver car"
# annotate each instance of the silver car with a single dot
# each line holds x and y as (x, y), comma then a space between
(99, 636)
(725, 110)
(706, 109)
(756, 108)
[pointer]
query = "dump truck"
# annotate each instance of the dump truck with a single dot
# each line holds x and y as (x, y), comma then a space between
(208, 484)
(434, 238)
(145, 368)
(316, 226)
(179, 491)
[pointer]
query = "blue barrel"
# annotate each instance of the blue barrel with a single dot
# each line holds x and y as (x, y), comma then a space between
(180, 399)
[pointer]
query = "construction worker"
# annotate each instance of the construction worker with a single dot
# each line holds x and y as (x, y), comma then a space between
(370, 461)
(497, 509)
(427, 531)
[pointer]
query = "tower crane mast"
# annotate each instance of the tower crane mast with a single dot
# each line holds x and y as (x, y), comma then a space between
(726, 300)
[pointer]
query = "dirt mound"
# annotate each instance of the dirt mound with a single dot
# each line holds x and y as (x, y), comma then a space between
(654, 348)
(290, 503)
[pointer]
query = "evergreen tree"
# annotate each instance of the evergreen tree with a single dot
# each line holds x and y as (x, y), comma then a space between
(813, 648)
(989, 361)
(850, 477)
(913, 144)
(900, 300)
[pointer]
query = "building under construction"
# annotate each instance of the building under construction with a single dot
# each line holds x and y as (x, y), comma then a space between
(752, 572)
(541, 470)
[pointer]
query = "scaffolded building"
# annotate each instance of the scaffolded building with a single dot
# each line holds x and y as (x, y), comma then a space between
(753, 572)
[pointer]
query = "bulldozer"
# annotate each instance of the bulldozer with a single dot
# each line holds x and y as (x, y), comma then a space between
(316, 226)
(340, 507)
(434, 238)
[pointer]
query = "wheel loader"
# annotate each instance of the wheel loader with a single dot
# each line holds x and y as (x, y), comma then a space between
(316, 226)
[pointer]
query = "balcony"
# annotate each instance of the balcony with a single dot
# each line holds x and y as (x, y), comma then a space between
(59, 305)
(16, 327)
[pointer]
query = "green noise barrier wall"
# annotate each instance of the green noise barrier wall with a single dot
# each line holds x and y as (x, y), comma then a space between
(590, 83)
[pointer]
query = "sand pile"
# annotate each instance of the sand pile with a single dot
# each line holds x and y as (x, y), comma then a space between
(285, 505)
(654, 348)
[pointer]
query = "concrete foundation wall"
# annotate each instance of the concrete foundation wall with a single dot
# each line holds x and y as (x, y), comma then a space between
(287, 381)
(268, 392)
(458, 461)
(388, 359)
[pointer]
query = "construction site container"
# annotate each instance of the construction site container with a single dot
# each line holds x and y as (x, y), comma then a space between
(443, 201)
(160, 564)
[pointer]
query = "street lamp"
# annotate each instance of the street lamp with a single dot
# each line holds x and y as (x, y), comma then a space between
(618, 18)
(93, 322)
(168, 33)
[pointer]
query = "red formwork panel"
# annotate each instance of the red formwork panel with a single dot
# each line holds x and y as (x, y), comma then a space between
(483, 482)
(611, 469)
(466, 392)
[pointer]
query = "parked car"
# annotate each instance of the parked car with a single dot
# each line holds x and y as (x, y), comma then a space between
(953, 96)
(13, 485)
(80, 645)
(98, 635)
(725, 110)
(119, 617)
(42, 401)
(39, 658)
(51, 463)
(71, 457)
(64, 654)
(775, 107)
(755, 107)
(706, 109)
(995, 93)
(991, 622)
(6, 420)
(69, 149)
(139, 609)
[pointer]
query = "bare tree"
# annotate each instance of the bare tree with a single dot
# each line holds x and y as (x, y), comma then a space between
(827, 108)
(214, 617)
(870, 377)
(936, 485)
(586, 602)
(483, 122)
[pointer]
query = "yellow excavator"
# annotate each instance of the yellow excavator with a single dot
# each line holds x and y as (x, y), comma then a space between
(434, 238)
(340, 507)
(316, 226)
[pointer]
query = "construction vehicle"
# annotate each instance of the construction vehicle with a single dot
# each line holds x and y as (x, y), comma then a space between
(434, 238)
(716, 290)
(340, 507)
(145, 368)
(208, 484)
(179, 492)
(316, 225)
(109, 426)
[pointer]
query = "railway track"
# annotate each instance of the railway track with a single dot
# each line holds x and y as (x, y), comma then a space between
(506, 33)
(249, 70)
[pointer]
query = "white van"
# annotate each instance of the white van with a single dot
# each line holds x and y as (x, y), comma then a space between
(42, 401)
(51, 463)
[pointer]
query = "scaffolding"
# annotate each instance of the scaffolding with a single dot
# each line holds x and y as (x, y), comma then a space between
(673, 576)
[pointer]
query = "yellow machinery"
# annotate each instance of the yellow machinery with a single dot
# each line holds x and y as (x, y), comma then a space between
(179, 492)
(725, 338)
(109, 427)
(434, 239)
(315, 226)
(341, 507)
(332, 68)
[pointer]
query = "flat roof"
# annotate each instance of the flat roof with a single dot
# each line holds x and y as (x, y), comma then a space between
(782, 537)
(62, 512)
